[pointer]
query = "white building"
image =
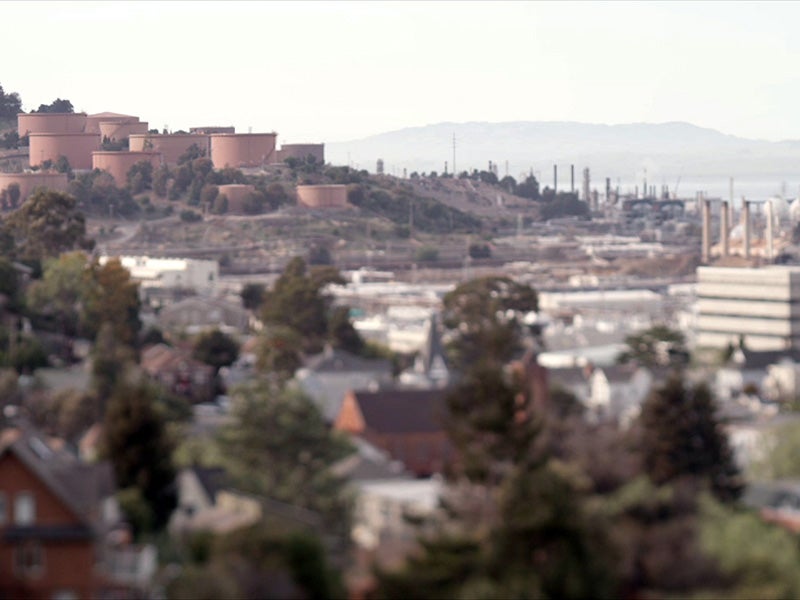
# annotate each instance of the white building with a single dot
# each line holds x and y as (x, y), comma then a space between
(759, 306)
(201, 276)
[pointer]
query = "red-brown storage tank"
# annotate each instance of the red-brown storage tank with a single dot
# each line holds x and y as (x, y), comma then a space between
(171, 145)
(93, 121)
(77, 147)
(237, 194)
(50, 123)
(301, 152)
(28, 182)
(119, 163)
(322, 196)
(242, 150)
(121, 130)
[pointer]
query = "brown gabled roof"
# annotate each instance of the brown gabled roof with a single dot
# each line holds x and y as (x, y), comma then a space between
(80, 486)
(402, 411)
(160, 357)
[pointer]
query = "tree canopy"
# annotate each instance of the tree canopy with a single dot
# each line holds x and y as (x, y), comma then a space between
(485, 315)
(10, 104)
(46, 225)
(681, 438)
(279, 446)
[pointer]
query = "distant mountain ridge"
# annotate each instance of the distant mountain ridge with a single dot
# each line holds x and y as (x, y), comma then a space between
(665, 150)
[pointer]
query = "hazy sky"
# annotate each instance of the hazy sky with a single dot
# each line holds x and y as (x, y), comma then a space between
(339, 71)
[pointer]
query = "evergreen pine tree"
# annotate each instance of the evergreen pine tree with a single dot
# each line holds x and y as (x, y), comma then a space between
(681, 438)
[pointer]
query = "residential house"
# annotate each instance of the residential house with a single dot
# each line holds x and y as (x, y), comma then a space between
(618, 392)
(198, 313)
(328, 376)
(746, 370)
(406, 423)
(178, 372)
(207, 501)
(60, 529)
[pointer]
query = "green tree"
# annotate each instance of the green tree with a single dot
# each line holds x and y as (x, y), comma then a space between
(56, 106)
(47, 225)
(658, 345)
(137, 444)
(528, 188)
(140, 177)
(14, 194)
(297, 301)
(215, 348)
(252, 295)
(114, 299)
(483, 313)
(515, 525)
(56, 299)
(681, 438)
(279, 353)
(279, 446)
(10, 105)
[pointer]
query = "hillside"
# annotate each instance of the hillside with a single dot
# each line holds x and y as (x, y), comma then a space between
(666, 150)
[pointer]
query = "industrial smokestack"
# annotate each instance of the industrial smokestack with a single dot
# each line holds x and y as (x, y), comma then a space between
(706, 243)
(608, 190)
(572, 179)
(555, 179)
(746, 227)
(724, 227)
(586, 191)
(770, 234)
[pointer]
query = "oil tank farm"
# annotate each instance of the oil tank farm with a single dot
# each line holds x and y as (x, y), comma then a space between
(237, 195)
(322, 196)
(302, 152)
(93, 121)
(28, 123)
(170, 145)
(119, 163)
(117, 131)
(242, 150)
(30, 181)
(76, 147)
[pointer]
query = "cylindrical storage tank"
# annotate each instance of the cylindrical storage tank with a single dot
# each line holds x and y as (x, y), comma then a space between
(242, 150)
(28, 123)
(171, 146)
(302, 152)
(28, 182)
(322, 196)
(93, 121)
(237, 194)
(119, 163)
(121, 130)
(76, 147)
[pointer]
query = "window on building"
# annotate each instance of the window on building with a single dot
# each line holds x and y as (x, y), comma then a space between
(24, 509)
(3, 509)
(29, 559)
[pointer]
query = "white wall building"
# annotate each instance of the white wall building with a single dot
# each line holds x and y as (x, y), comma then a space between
(202, 276)
(759, 305)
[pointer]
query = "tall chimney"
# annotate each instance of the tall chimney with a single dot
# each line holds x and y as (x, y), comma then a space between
(555, 179)
(746, 227)
(572, 179)
(724, 227)
(706, 249)
(586, 191)
(608, 190)
(770, 248)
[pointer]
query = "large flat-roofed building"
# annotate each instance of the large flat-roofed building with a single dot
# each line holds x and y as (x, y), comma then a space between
(759, 306)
